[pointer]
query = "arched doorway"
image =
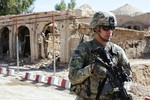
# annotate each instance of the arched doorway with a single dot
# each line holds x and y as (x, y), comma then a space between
(24, 41)
(47, 40)
(4, 42)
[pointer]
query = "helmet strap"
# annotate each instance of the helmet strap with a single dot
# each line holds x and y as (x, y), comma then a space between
(97, 31)
(102, 38)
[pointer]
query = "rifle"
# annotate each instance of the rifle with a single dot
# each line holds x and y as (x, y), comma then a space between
(117, 76)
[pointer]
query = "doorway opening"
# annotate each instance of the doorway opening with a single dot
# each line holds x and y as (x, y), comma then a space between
(4, 42)
(24, 42)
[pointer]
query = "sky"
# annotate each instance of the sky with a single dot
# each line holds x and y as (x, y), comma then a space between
(97, 5)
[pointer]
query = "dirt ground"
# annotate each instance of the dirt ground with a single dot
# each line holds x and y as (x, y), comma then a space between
(141, 81)
(15, 88)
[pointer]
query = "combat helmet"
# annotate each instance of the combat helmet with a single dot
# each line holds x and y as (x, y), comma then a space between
(103, 18)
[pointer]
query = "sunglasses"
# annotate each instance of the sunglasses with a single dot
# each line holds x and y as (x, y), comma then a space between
(106, 28)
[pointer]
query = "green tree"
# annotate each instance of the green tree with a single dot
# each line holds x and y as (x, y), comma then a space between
(72, 4)
(3, 6)
(61, 6)
(8, 7)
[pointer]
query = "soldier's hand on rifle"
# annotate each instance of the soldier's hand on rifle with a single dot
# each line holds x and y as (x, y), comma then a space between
(99, 70)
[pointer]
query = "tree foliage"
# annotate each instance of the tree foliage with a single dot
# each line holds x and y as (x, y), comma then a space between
(62, 5)
(8, 7)
(72, 4)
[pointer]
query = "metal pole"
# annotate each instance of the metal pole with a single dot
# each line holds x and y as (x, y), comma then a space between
(17, 51)
(54, 63)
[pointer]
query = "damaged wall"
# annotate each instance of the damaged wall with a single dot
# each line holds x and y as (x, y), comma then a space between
(30, 28)
(133, 42)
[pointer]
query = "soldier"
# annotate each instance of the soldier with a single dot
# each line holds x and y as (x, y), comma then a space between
(85, 74)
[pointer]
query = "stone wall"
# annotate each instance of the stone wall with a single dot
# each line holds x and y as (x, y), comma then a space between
(135, 43)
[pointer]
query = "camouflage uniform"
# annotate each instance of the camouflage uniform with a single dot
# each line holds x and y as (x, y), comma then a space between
(84, 82)
(80, 70)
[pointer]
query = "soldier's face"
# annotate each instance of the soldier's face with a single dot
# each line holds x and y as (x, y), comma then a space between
(106, 33)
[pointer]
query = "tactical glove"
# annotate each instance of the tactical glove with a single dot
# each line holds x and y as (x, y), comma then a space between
(99, 70)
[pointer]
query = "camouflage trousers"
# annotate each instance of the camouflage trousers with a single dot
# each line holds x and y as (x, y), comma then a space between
(82, 98)
(102, 97)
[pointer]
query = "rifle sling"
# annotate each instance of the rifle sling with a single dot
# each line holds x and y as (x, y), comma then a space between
(100, 88)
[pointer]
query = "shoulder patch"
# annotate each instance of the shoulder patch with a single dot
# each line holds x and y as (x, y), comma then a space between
(76, 53)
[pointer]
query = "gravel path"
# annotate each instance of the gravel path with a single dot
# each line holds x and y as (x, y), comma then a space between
(13, 89)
